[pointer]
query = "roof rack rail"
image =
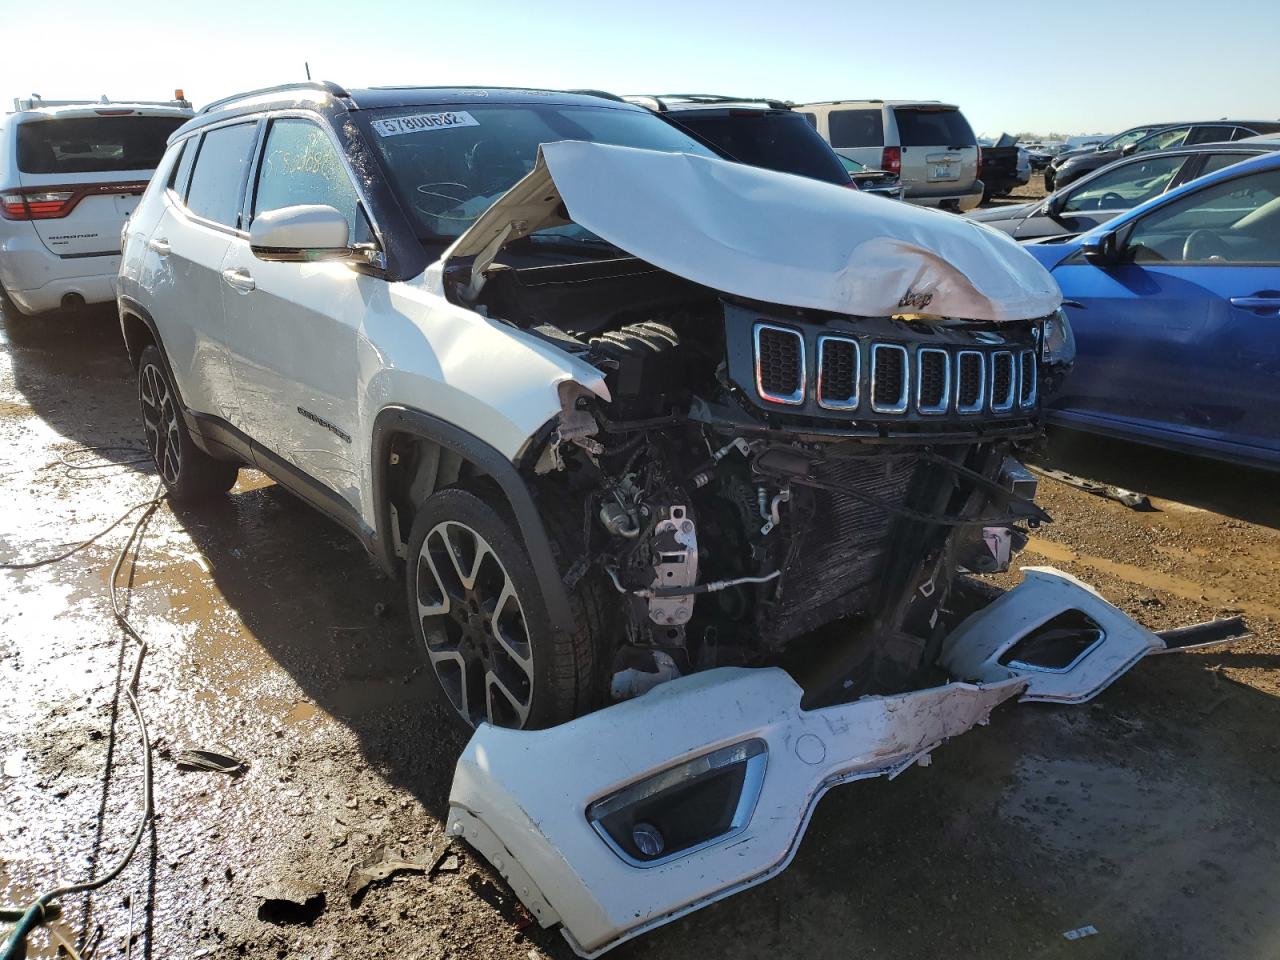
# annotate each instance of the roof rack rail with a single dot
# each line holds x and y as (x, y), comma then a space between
(35, 102)
(327, 86)
(713, 98)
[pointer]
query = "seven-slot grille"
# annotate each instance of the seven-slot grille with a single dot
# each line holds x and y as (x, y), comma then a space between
(779, 364)
(927, 380)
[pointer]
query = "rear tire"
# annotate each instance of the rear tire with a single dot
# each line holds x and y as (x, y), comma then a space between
(188, 473)
(478, 610)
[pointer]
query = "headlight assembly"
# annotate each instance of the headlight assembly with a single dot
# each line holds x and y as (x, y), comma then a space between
(1059, 343)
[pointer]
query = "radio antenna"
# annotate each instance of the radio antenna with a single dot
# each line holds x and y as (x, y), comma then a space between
(306, 66)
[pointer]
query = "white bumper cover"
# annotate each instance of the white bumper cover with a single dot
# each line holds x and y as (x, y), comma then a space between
(523, 799)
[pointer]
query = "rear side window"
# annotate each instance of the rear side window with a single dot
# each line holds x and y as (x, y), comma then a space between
(774, 140)
(301, 166)
(925, 127)
(93, 144)
(856, 128)
(219, 172)
(1209, 134)
(182, 170)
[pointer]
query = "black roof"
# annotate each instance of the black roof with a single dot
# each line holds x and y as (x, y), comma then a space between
(370, 98)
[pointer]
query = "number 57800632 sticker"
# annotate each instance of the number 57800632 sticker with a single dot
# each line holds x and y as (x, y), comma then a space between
(418, 122)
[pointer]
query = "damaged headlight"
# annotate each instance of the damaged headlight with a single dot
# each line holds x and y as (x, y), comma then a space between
(684, 808)
(1059, 347)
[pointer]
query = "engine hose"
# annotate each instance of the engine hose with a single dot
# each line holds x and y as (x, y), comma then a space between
(38, 912)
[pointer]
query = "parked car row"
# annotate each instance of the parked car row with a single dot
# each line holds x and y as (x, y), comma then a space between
(1073, 165)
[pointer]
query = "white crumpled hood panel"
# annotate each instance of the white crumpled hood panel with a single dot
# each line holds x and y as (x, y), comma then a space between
(771, 236)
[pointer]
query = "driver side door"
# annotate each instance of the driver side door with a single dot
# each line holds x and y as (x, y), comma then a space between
(295, 327)
(1182, 341)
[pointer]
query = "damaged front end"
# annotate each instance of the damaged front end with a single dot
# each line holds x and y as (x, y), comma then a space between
(816, 404)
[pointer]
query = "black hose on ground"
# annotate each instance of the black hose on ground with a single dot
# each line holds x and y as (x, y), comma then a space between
(38, 912)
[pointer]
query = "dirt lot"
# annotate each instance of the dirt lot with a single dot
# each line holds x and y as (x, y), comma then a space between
(1149, 813)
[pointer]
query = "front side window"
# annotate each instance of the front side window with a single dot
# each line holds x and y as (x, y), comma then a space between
(1232, 222)
(93, 144)
(1124, 187)
(301, 166)
(1129, 136)
(218, 177)
(930, 127)
(1173, 137)
(856, 128)
(449, 165)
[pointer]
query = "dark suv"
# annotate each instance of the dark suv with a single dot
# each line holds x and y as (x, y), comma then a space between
(767, 133)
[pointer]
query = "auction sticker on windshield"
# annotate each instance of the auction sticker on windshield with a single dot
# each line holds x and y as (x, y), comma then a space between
(394, 126)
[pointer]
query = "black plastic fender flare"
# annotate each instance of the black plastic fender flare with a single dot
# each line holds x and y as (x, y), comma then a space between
(397, 419)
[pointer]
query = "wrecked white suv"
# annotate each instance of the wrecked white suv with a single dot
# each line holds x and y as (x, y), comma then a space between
(637, 423)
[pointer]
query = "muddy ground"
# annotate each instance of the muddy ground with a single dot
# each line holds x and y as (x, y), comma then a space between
(1150, 813)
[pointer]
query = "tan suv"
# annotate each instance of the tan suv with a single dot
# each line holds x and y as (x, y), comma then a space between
(928, 144)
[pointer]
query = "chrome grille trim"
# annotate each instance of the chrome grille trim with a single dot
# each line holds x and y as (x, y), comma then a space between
(792, 399)
(945, 402)
(1005, 403)
(846, 403)
(899, 405)
(981, 367)
(1027, 396)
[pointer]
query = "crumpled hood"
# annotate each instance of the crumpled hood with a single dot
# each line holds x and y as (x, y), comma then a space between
(769, 236)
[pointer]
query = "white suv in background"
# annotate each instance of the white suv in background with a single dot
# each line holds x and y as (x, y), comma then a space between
(928, 144)
(71, 173)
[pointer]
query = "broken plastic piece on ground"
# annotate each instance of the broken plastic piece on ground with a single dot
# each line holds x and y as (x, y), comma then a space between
(1086, 931)
(1199, 636)
(519, 797)
(209, 761)
(288, 901)
(610, 834)
(1130, 498)
(379, 865)
(1091, 642)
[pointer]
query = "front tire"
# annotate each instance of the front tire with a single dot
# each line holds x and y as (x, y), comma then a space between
(479, 613)
(188, 473)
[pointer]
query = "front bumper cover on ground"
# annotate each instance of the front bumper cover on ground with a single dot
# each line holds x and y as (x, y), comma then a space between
(534, 803)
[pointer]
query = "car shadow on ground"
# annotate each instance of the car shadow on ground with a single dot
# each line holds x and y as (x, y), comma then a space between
(1225, 488)
(72, 371)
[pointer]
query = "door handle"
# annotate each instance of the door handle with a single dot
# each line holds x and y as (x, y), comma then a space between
(1259, 303)
(239, 279)
(159, 245)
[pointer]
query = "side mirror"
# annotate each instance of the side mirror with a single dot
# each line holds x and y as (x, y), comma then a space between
(1128, 149)
(1101, 249)
(1052, 205)
(302, 233)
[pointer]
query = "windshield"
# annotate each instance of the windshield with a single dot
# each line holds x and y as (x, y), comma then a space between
(449, 165)
(773, 139)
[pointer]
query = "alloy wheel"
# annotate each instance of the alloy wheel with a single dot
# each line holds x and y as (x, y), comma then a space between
(160, 421)
(475, 629)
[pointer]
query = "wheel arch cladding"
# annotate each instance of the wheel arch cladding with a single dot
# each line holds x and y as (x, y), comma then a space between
(138, 335)
(396, 421)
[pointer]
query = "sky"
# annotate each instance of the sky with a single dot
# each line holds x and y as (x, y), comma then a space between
(1084, 66)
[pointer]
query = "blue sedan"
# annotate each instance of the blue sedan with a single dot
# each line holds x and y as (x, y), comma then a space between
(1175, 307)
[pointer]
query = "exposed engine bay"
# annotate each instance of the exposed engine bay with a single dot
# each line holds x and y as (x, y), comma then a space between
(764, 474)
